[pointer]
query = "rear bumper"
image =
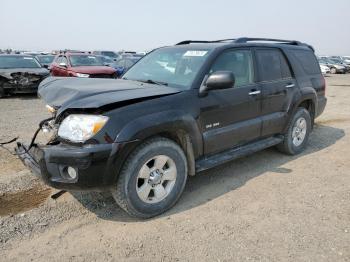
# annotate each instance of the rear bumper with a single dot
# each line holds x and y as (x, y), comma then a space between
(321, 104)
(94, 164)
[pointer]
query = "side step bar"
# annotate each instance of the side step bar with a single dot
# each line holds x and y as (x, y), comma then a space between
(237, 152)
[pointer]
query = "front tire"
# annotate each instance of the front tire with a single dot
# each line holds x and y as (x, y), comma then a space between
(333, 70)
(152, 178)
(296, 138)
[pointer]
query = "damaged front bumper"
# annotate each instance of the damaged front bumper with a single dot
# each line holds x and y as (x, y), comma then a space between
(93, 164)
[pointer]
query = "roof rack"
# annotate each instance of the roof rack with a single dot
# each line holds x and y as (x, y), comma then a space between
(249, 39)
(186, 42)
(242, 40)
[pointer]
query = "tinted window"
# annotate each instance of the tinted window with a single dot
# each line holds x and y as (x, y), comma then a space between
(308, 61)
(272, 65)
(240, 62)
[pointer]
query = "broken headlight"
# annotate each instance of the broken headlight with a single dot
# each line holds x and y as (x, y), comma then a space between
(80, 127)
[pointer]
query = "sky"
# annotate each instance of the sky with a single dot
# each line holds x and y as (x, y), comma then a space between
(144, 25)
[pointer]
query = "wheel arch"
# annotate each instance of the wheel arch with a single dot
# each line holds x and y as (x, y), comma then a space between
(307, 101)
(174, 125)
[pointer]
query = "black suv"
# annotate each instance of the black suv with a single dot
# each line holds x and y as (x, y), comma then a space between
(179, 110)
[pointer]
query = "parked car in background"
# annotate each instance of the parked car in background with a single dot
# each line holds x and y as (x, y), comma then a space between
(45, 60)
(333, 66)
(20, 74)
(124, 64)
(81, 65)
(340, 61)
(113, 55)
(325, 69)
(346, 59)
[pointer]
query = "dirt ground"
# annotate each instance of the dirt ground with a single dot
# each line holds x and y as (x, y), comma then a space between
(265, 207)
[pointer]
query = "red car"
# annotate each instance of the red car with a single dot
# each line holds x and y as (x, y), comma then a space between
(81, 65)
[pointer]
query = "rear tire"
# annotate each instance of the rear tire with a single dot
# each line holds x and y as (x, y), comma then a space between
(296, 138)
(333, 70)
(152, 178)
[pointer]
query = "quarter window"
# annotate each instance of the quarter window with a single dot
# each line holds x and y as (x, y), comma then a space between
(240, 62)
(272, 65)
(308, 61)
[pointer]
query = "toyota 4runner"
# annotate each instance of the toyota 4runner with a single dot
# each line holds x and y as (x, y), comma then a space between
(178, 111)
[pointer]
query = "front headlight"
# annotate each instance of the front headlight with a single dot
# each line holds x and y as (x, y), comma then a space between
(82, 75)
(79, 127)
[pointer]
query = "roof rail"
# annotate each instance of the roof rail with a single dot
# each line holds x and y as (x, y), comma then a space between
(243, 40)
(250, 39)
(282, 41)
(186, 42)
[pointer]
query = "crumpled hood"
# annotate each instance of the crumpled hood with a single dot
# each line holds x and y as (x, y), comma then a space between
(82, 93)
(8, 71)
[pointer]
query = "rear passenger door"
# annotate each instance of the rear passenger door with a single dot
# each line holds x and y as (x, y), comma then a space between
(277, 86)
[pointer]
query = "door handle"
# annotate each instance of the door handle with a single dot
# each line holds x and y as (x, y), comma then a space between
(290, 85)
(254, 93)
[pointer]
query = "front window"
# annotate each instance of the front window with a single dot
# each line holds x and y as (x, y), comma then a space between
(175, 66)
(18, 62)
(239, 62)
(85, 60)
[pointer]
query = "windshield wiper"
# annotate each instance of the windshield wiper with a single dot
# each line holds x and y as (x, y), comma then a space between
(153, 82)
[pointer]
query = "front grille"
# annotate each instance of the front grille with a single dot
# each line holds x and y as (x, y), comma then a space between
(101, 76)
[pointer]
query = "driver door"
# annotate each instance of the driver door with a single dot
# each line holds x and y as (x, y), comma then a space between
(232, 117)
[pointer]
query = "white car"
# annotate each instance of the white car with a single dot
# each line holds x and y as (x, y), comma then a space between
(325, 69)
(346, 59)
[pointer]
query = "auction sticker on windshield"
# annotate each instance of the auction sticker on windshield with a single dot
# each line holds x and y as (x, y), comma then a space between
(195, 53)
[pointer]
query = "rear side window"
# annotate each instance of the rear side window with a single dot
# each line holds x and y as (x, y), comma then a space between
(272, 65)
(308, 61)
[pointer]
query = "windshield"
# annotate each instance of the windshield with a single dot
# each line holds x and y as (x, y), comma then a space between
(85, 60)
(174, 66)
(45, 59)
(18, 62)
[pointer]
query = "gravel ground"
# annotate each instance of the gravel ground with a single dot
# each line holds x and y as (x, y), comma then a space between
(265, 207)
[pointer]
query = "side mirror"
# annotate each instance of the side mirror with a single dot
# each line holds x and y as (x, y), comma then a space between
(218, 80)
(46, 66)
(62, 64)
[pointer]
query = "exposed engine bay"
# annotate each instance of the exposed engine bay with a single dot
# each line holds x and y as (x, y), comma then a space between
(21, 81)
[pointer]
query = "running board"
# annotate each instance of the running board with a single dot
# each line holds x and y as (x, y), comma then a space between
(237, 152)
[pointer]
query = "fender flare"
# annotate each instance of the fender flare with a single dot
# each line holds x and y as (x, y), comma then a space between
(175, 122)
(306, 94)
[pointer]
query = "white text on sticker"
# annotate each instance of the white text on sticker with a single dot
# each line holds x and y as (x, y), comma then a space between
(195, 53)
